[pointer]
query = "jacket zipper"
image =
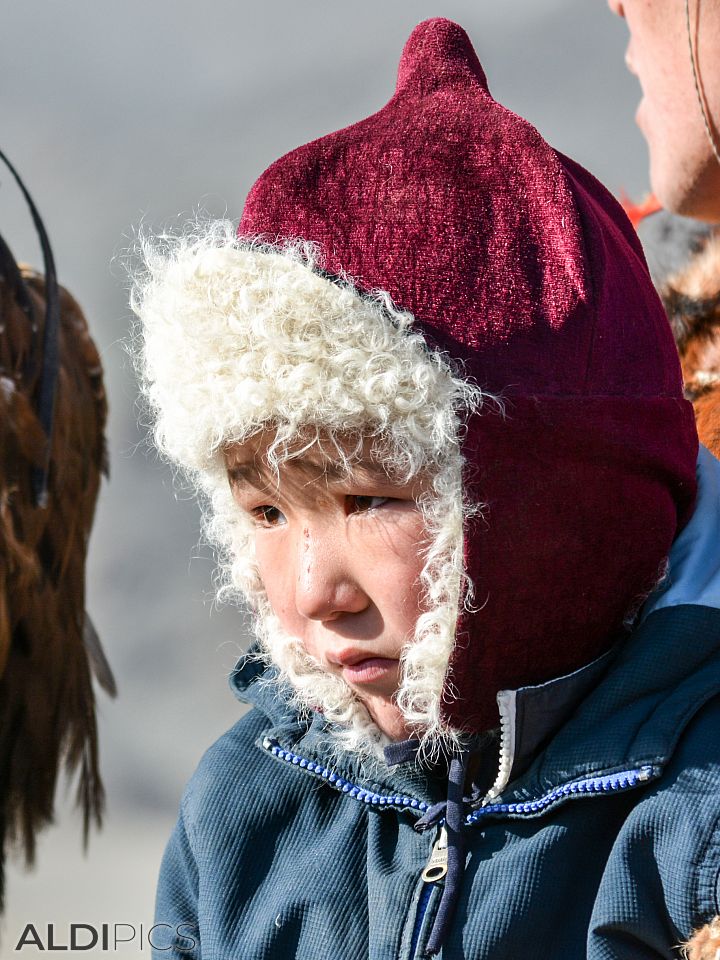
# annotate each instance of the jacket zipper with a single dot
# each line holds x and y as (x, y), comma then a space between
(423, 902)
(437, 865)
(611, 783)
(506, 708)
(343, 785)
(435, 869)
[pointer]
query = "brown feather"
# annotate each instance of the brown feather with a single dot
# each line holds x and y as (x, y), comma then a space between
(47, 706)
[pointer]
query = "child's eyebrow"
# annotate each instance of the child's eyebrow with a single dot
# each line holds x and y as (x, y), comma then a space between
(245, 474)
(248, 473)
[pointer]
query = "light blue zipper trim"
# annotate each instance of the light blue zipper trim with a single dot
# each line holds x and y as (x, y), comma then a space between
(340, 783)
(611, 783)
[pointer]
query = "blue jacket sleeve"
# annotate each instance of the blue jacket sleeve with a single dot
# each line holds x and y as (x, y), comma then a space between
(175, 933)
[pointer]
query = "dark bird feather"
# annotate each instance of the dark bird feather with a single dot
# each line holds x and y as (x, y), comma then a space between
(48, 646)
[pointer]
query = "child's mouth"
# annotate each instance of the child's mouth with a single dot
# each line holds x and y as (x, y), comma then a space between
(370, 670)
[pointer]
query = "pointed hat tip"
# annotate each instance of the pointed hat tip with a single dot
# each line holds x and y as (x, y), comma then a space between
(439, 53)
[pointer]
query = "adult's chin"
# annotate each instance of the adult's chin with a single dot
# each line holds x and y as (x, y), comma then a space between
(686, 182)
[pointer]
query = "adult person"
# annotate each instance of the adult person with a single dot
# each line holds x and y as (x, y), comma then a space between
(674, 51)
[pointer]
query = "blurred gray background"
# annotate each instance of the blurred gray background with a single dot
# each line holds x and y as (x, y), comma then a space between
(117, 114)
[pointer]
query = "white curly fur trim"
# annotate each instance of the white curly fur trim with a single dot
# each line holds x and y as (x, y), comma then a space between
(235, 337)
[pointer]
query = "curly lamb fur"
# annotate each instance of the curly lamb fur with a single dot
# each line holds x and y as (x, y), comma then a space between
(237, 337)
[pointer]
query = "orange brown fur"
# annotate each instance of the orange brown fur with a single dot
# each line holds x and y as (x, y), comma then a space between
(704, 943)
(692, 300)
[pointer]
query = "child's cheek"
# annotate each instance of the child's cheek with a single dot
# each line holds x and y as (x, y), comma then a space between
(275, 573)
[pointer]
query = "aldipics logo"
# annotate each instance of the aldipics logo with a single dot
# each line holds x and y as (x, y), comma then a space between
(181, 937)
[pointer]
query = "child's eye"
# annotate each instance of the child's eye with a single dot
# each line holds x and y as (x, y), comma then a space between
(268, 516)
(361, 504)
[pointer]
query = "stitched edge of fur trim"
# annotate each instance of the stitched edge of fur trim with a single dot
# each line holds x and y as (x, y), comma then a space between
(235, 336)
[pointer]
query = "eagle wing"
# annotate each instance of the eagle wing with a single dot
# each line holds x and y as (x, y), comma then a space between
(47, 644)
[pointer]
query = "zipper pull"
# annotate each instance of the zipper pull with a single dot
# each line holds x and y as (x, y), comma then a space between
(437, 865)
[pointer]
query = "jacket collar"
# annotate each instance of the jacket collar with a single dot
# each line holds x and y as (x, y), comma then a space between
(638, 712)
(253, 680)
(531, 715)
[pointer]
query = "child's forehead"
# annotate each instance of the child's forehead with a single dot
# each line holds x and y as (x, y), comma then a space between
(253, 462)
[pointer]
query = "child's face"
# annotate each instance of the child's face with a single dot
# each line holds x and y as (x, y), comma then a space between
(340, 560)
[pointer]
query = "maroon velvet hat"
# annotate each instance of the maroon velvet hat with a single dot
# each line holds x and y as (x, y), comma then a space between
(518, 263)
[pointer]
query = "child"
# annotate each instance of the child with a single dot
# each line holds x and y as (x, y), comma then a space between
(436, 410)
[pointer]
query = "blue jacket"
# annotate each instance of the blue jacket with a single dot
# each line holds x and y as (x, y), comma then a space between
(604, 842)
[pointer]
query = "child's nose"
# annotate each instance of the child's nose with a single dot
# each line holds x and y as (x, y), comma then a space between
(327, 586)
